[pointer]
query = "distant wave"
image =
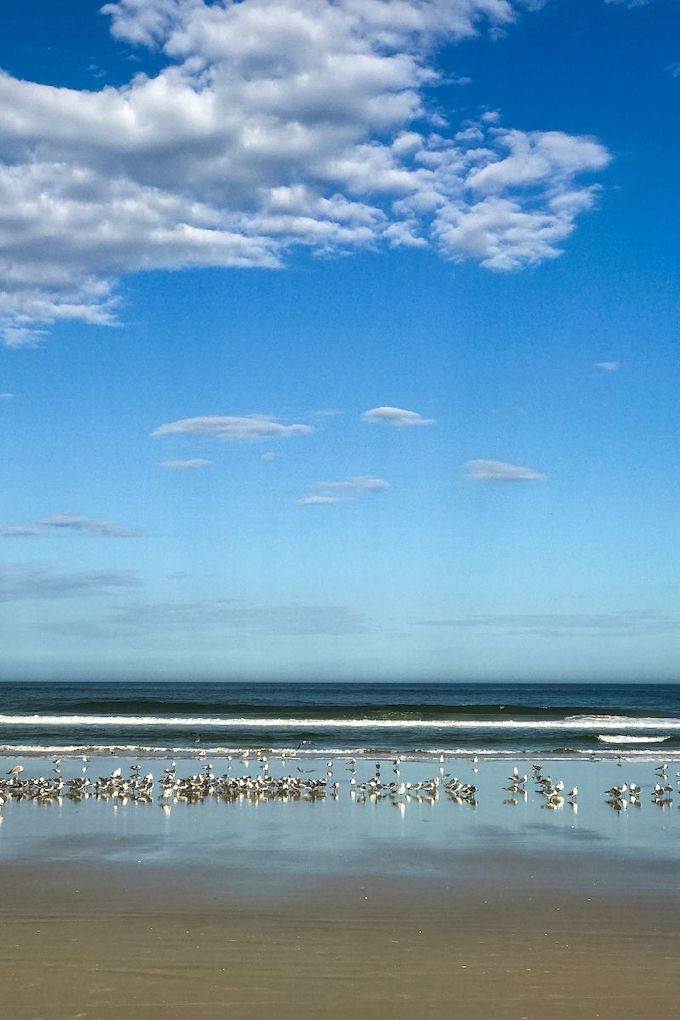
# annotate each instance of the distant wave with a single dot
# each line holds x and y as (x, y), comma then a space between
(343, 708)
(576, 724)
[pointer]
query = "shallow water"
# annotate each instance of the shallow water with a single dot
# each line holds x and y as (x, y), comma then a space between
(346, 835)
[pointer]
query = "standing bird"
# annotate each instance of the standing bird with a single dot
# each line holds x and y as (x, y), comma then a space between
(16, 770)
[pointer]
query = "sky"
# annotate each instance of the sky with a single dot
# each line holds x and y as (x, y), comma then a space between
(339, 340)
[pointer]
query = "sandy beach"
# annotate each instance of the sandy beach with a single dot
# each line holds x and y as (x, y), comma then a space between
(86, 942)
(335, 908)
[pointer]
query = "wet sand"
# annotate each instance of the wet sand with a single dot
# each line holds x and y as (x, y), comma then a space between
(87, 942)
(336, 910)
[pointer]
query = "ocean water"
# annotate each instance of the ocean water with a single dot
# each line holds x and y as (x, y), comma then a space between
(487, 719)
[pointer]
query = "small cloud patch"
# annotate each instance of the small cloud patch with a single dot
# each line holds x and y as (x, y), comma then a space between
(608, 366)
(500, 471)
(341, 492)
(397, 417)
(230, 428)
(195, 464)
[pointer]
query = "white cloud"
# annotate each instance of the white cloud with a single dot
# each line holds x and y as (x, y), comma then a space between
(195, 464)
(340, 492)
(608, 366)
(268, 456)
(499, 471)
(65, 522)
(251, 428)
(270, 124)
(396, 416)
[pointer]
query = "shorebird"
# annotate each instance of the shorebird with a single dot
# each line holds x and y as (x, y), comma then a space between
(16, 770)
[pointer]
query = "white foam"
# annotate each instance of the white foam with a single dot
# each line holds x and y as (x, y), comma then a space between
(622, 739)
(575, 724)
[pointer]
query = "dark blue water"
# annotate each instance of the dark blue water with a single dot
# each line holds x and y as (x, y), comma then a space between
(619, 718)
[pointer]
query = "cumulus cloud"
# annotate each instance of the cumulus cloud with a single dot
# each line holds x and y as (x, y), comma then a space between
(67, 523)
(269, 125)
(397, 417)
(340, 492)
(251, 428)
(20, 582)
(195, 464)
(608, 366)
(499, 471)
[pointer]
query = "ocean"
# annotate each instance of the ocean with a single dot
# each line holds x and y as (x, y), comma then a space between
(162, 718)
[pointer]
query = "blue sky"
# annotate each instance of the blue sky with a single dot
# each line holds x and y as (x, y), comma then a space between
(464, 210)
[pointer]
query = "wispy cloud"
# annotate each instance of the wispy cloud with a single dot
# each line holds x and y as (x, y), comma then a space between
(630, 4)
(608, 366)
(268, 456)
(238, 617)
(229, 428)
(19, 582)
(64, 522)
(341, 492)
(397, 417)
(6, 396)
(195, 464)
(605, 624)
(500, 471)
(318, 500)
(356, 484)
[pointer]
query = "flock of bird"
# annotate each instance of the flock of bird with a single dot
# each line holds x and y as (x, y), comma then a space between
(619, 797)
(175, 789)
(552, 790)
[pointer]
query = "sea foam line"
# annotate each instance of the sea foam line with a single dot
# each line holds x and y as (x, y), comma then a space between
(624, 739)
(572, 723)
